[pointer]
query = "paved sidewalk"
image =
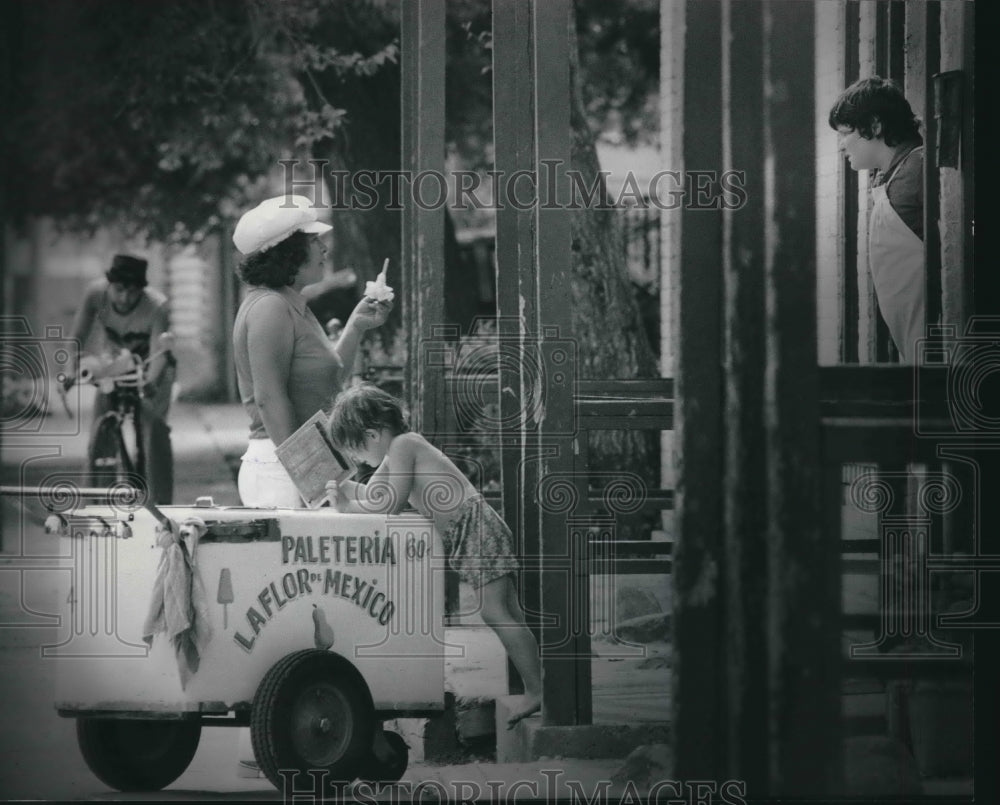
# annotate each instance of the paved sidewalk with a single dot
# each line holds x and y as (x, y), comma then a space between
(208, 441)
(545, 781)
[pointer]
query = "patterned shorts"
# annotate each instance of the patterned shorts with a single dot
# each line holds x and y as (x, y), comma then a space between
(480, 546)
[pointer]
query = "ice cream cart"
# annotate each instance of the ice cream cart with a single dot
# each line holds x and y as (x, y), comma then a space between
(307, 625)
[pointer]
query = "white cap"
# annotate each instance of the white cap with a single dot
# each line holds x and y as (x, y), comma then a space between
(273, 220)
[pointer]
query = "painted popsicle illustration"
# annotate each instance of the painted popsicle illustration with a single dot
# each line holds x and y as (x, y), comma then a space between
(225, 594)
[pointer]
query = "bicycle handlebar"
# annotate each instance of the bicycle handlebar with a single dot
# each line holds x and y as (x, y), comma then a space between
(125, 370)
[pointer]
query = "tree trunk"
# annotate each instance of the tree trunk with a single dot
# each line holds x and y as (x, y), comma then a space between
(607, 323)
(367, 140)
(370, 140)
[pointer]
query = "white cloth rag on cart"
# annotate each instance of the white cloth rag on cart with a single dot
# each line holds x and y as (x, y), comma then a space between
(178, 606)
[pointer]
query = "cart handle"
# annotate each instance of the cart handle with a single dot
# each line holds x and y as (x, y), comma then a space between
(86, 492)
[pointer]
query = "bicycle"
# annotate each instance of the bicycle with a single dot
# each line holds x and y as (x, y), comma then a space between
(116, 453)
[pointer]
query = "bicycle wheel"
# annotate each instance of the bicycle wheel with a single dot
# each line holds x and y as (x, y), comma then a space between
(105, 452)
(132, 451)
(137, 465)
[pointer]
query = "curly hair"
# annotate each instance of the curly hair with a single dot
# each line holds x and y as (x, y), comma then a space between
(361, 407)
(278, 266)
(876, 99)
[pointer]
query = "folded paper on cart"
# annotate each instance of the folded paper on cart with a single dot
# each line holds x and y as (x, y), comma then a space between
(311, 459)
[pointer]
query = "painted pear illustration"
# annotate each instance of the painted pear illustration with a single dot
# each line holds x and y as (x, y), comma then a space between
(322, 631)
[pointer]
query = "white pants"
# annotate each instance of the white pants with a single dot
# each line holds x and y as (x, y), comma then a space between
(262, 481)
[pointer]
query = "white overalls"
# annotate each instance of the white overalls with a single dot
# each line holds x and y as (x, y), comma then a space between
(896, 260)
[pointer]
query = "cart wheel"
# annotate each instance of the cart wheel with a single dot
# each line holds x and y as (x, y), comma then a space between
(376, 773)
(137, 754)
(312, 711)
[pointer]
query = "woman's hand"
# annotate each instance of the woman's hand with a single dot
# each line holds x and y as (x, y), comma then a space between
(335, 494)
(369, 313)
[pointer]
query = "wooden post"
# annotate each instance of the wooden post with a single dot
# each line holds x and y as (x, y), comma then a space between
(834, 327)
(803, 628)
(870, 328)
(423, 59)
(744, 489)
(882, 65)
(968, 162)
(854, 307)
(957, 27)
(532, 130)
(932, 203)
(671, 158)
(756, 584)
(513, 114)
(566, 595)
(699, 737)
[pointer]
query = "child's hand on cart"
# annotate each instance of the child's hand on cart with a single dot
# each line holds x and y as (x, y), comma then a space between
(335, 496)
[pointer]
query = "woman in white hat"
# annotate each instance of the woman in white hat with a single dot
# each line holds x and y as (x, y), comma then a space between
(286, 366)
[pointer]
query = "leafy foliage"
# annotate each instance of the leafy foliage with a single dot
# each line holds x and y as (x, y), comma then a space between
(161, 117)
(620, 65)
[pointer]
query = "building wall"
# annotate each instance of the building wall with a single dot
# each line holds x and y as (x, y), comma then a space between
(201, 329)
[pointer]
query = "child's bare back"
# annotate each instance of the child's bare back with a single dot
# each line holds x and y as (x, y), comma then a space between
(438, 488)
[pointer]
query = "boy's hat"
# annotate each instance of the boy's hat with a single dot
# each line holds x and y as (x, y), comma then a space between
(127, 270)
(273, 220)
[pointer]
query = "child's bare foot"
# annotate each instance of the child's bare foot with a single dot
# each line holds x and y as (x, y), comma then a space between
(530, 704)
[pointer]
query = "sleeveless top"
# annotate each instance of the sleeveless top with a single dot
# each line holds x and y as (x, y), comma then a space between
(315, 372)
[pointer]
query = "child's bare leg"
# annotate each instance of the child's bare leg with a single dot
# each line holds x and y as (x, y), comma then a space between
(502, 612)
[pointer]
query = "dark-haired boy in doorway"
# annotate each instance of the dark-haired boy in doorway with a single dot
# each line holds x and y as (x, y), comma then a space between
(879, 132)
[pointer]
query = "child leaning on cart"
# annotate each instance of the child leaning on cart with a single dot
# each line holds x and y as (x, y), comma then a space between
(370, 425)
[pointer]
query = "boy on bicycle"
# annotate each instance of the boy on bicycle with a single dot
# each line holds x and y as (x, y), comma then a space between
(121, 312)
